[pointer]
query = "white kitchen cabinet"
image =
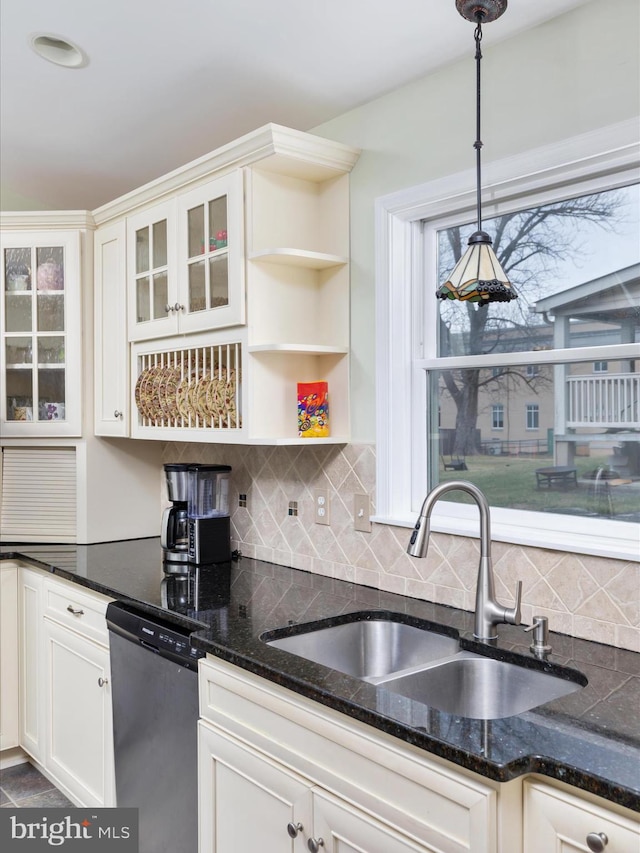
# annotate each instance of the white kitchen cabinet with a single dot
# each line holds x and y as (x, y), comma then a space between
(238, 289)
(271, 796)
(111, 346)
(297, 295)
(31, 661)
(555, 819)
(280, 809)
(78, 700)
(40, 328)
(65, 707)
(152, 272)
(185, 262)
(277, 758)
(84, 491)
(9, 657)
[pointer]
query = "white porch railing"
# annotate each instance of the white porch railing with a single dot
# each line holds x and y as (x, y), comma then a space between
(611, 400)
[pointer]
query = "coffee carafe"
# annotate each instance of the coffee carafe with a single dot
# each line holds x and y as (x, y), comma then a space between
(208, 514)
(174, 535)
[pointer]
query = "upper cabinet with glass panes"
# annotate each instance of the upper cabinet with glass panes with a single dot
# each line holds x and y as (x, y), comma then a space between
(185, 262)
(40, 325)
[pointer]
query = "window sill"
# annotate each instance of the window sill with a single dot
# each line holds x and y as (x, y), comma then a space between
(599, 537)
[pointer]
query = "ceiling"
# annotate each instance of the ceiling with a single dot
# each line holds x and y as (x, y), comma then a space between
(169, 81)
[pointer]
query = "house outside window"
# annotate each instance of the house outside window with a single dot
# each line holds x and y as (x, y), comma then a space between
(497, 416)
(600, 366)
(459, 359)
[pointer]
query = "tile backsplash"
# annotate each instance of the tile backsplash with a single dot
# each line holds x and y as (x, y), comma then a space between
(590, 597)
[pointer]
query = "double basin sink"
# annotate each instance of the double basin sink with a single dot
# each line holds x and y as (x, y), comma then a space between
(427, 664)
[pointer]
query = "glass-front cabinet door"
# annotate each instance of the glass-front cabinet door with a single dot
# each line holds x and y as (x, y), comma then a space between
(210, 250)
(41, 333)
(185, 264)
(151, 273)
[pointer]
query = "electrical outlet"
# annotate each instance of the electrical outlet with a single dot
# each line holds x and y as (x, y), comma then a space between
(322, 514)
(361, 513)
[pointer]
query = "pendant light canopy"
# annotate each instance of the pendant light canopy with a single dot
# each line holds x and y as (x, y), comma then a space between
(478, 276)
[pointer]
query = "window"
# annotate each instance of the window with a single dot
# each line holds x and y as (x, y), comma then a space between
(533, 416)
(432, 356)
(497, 416)
(600, 366)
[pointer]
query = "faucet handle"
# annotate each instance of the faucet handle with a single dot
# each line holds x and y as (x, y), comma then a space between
(512, 615)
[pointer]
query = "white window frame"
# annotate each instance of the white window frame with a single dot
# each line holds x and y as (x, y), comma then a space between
(604, 159)
(497, 409)
(532, 413)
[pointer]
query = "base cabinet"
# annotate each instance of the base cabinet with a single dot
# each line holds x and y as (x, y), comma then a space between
(272, 797)
(65, 696)
(281, 811)
(78, 697)
(556, 820)
(280, 773)
(31, 663)
(8, 656)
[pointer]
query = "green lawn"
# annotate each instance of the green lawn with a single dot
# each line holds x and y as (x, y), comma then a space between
(510, 481)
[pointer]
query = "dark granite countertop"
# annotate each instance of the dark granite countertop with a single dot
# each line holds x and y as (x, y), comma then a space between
(589, 739)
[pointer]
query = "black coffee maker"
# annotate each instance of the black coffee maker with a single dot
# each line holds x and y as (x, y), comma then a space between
(174, 535)
(208, 522)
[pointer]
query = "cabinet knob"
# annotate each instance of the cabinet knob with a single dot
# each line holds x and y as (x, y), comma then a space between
(117, 414)
(597, 841)
(294, 828)
(102, 681)
(314, 844)
(178, 307)
(168, 308)
(74, 611)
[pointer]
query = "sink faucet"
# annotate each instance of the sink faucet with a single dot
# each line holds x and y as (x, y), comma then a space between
(489, 611)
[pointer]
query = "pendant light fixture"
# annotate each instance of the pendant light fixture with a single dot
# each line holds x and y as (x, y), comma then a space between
(478, 276)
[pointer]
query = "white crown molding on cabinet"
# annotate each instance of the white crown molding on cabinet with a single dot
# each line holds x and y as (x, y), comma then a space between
(49, 219)
(319, 159)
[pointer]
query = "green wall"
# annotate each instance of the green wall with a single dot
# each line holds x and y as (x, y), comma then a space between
(570, 76)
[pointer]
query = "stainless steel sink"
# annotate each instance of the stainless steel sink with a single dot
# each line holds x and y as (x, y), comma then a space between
(428, 667)
(471, 685)
(369, 648)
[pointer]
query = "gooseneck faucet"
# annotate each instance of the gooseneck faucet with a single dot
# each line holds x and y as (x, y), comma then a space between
(489, 611)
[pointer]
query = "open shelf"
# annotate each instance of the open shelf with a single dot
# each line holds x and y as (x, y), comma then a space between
(299, 258)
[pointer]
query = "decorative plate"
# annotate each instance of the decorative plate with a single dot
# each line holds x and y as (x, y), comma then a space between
(182, 397)
(153, 389)
(137, 393)
(168, 401)
(201, 397)
(213, 399)
(147, 393)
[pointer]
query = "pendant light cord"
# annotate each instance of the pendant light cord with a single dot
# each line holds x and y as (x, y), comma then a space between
(478, 143)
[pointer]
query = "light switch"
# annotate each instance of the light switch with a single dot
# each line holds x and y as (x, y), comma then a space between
(361, 513)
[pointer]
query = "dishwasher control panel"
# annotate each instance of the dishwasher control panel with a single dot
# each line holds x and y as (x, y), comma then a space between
(155, 633)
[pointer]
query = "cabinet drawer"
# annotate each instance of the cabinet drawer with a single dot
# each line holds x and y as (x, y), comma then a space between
(77, 609)
(555, 819)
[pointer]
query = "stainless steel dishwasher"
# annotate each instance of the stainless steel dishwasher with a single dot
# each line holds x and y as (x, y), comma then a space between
(154, 689)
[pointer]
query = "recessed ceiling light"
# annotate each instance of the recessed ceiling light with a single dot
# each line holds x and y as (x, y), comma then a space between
(58, 50)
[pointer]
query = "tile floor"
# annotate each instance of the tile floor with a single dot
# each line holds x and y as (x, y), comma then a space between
(22, 786)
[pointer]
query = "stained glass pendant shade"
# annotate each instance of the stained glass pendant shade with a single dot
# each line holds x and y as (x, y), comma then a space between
(478, 275)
